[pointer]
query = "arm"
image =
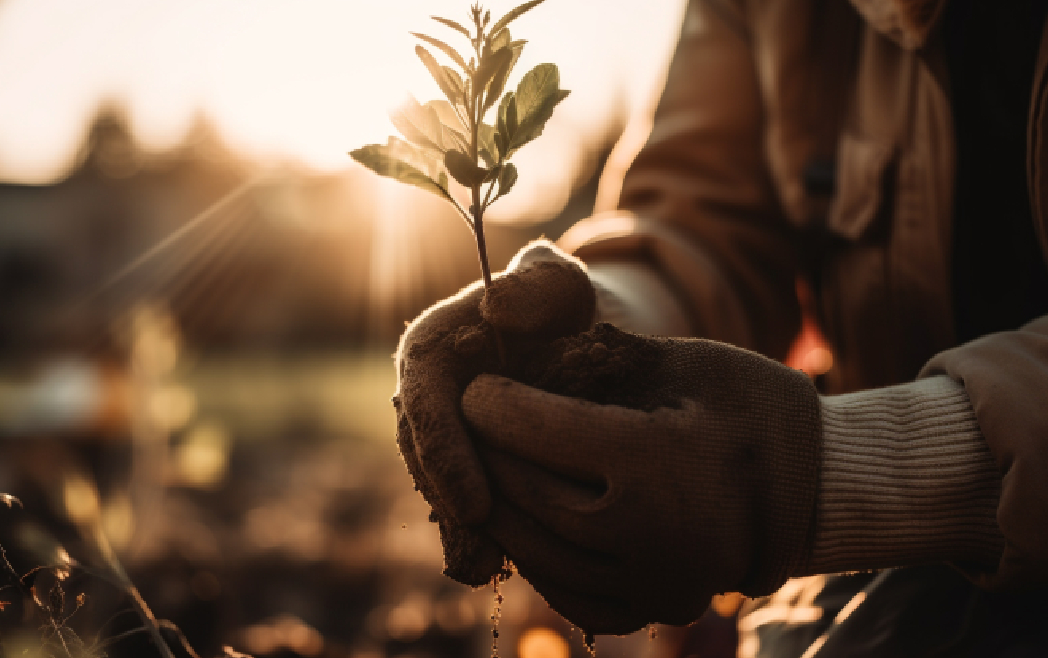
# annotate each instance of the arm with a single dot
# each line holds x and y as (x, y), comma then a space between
(698, 213)
(698, 207)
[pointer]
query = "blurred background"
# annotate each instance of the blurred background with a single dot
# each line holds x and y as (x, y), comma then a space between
(200, 295)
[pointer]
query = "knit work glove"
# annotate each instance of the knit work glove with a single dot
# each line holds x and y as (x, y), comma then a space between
(689, 469)
(543, 295)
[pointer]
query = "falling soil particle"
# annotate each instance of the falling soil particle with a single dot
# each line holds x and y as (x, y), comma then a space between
(590, 642)
(496, 612)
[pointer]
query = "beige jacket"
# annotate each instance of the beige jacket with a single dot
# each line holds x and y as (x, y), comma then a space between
(728, 202)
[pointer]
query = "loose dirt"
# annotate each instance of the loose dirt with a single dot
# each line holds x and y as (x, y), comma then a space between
(496, 611)
(604, 365)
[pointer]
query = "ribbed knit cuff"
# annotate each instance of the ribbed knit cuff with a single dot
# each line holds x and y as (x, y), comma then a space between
(906, 479)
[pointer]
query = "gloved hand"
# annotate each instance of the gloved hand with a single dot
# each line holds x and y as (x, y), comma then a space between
(695, 474)
(544, 294)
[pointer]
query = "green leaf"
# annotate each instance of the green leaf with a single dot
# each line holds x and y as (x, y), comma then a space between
(503, 127)
(463, 169)
(489, 67)
(511, 116)
(500, 40)
(456, 81)
(388, 160)
(448, 115)
(455, 139)
(507, 178)
(421, 125)
(452, 24)
(537, 95)
(493, 174)
(500, 142)
(512, 15)
(498, 81)
(532, 126)
(454, 131)
(445, 48)
(486, 144)
(428, 162)
(504, 104)
(440, 74)
(496, 42)
(536, 85)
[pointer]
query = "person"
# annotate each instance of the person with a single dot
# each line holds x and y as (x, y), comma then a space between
(891, 154)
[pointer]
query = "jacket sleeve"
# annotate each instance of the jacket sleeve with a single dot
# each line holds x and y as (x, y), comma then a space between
(1006, 378)
(698, 203)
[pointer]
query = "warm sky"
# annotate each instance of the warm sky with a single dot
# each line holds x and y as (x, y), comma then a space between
(309, 79)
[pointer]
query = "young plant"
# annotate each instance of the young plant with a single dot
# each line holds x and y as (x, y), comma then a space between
(450, 136)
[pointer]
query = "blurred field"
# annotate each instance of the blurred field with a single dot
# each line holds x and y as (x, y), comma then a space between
(339, 394)
(259, 502)
(306, 538)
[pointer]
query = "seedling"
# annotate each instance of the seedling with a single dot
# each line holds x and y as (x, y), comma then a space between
(450, 136)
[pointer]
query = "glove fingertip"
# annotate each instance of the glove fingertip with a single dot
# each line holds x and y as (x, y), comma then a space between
(475, 568)
(481, 397)
(470, 557)
(462, 486)
(451, 466)
(552, 298)
(470, 503)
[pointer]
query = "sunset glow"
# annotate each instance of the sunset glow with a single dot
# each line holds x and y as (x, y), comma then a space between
(306, 80)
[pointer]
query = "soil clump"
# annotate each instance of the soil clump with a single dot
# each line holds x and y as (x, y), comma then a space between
(604, 365)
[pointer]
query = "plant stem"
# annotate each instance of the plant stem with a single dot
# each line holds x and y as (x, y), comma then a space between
(482, 248)
(485, 267)
(137, 602)
(476, 116)
(491, 188)
(466, 217)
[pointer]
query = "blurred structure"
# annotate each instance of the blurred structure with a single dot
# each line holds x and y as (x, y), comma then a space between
(248, 275)
(293, 260)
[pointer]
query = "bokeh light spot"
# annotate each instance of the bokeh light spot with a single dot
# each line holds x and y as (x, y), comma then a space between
(542, 643)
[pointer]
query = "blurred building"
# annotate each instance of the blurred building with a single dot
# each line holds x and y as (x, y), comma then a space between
(286, 261)
(249, 273)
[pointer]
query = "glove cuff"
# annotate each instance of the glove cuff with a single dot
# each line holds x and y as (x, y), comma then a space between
(907, 478)
(785, 477)
(544, 292)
